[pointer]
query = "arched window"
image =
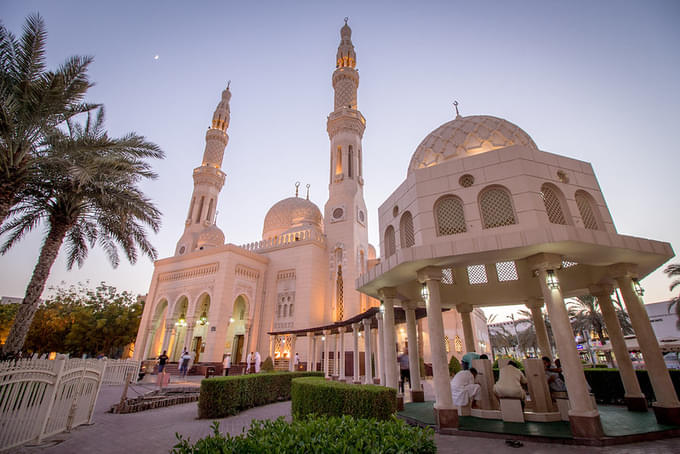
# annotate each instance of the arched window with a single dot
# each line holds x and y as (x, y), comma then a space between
(390, 246)
(278, 311)
(285, 310)
(290, 310)
(210, 208)
(350, 157)
(449, 216)
(585, 206)
(359, 172)
(406, 236)
(339, 296)
(338, 161)
(496, 207)
(553, 205)
(447, 346)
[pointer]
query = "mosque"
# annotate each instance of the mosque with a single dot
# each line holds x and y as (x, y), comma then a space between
(483, 218)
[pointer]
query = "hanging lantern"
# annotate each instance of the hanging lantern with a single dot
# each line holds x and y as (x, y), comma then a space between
(639, 291)
(551, 280)
(203, 320)
(424, 292)
(181, 321)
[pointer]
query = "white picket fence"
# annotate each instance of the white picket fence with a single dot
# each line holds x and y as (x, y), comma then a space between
(117, 371)
(41, 397)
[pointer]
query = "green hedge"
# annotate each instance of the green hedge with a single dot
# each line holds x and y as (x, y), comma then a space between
(607, 386)
(330, 398)
(224, 396)
(316, 434)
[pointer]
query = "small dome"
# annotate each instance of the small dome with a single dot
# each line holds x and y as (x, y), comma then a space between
(211, 236)
(465, 136)
(290, 213)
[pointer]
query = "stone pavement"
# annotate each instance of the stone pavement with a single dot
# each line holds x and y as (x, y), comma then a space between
(154, 431)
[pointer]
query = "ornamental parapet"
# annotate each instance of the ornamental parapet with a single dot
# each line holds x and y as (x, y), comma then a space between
(287, 240)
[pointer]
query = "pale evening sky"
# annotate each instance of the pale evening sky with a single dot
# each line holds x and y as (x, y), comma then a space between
(596, 81)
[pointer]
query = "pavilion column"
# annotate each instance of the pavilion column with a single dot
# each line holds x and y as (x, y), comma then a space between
(315, 354)
(326, 363)
(389, 296)
(666, 408)
(464, 310)
(635, 400)
(446, 414)
(368, 376)
(535, 306)
(583, 415)
(272, 345)
(336, 369)
(381, 347)
(341, 353)
(149, 342)
(417, 394)
(291, 356)
(309, 351)
(355, 353)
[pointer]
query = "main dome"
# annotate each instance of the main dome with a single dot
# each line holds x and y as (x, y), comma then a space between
(290, 213)
(467, 136)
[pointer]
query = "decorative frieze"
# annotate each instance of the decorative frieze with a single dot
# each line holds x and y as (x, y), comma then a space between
(190, 273)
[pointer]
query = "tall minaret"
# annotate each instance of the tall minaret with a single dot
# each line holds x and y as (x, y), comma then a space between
(200, 231)
(345, 216)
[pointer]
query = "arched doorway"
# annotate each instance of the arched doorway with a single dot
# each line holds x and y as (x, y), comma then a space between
(202, 324)
(180, 316)
(236, 332)
(157, 329)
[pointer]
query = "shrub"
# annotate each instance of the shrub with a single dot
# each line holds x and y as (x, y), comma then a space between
(314, 395)
(607, 386)
(268, 365)
(454, 366)
(316, 434)
(224, 396)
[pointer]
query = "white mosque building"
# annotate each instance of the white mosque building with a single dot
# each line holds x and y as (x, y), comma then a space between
(215, 298)
(483, 218)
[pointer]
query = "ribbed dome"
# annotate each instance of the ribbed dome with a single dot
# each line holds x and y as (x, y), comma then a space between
(290, 213)
(467, 136)
(211, 236)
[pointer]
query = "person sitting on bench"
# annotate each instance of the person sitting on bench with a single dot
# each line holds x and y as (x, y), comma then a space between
(464, 389)
(555, 383)
(511, 383)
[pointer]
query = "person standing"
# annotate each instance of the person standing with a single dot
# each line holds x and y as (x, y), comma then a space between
(249, 361)
(296, 362)
(184, 363)
(226, 364)
(162, 360)
(258, 361)
(404, 370)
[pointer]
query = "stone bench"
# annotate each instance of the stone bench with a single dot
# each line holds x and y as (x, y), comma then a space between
(511, 409)
(465, 410)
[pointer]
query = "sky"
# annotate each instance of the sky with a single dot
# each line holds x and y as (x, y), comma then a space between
(595, 81)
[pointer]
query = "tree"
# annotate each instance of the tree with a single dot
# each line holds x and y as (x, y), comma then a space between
(33, 101)
(87, 194)
(673, 271)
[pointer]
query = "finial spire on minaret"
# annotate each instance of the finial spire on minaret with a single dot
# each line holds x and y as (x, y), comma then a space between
(297, 188)
(455, 104)
(346, 57)
(308, 185)
(222, 113)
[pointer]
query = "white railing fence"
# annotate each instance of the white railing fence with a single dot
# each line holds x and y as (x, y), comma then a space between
(41, 397)
(117, 371)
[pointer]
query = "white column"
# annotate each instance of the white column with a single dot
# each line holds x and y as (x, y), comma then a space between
(309, 350)
(381, 348)
(336, 369)
(368, 377)
(341, 358)
(326, 363)
(389, 295)
(355, 354)
(435, 324)
(291, 358)
(149, 343)
(634, 397)
(312, 362)
(464, 310)
(191, 324)
(412, 336)
(535, 306)
(666, 398)
(169, 331)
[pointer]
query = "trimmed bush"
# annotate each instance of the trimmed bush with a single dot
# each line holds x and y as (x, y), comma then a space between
(314, 395)
(316, 434)
(454, 366)
(225, 396)
(607, 386)
(268, 365)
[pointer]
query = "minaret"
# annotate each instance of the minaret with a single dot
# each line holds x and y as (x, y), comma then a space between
(200, 231)
(345, 216)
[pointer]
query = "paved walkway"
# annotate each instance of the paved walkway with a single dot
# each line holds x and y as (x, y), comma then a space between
(154, 431)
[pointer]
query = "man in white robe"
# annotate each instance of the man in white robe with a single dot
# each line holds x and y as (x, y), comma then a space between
(249, 361)
(258, 360)
(463, 387)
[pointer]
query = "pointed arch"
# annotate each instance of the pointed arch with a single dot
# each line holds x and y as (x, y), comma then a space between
(554, 204)
(406, 234)
(449, 216)
(389, 241)
(495, 205)
(588, 210)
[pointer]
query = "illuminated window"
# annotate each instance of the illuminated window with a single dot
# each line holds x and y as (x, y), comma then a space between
(339, 308)
(477, 274)
(496, 207)
(449, 216)
(506, 271)
(406, 234)
(446, 344)
(447, 276)
(458, 344)
(338, 161)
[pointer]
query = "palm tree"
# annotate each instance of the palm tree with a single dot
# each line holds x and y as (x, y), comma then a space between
(32, 102)
(87, 195)
(673, 270)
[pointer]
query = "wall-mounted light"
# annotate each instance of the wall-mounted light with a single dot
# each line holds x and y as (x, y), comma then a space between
(382, 307)
(231, 319)
(323, 338)
(424, 292)
(359, 334)
(637, 287)
(551, 280)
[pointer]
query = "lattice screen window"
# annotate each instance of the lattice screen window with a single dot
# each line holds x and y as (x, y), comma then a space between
(586, 210)
(458, 344)
(477, 274)
(496, 208)
(552, 205)
(507, 271)
(406, 234)
(339, 306)
(449, 215)
(390, 246)
(447, 276)
(568, 264)
(447, 346)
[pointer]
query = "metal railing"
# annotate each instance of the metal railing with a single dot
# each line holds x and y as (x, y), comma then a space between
(117, 371)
